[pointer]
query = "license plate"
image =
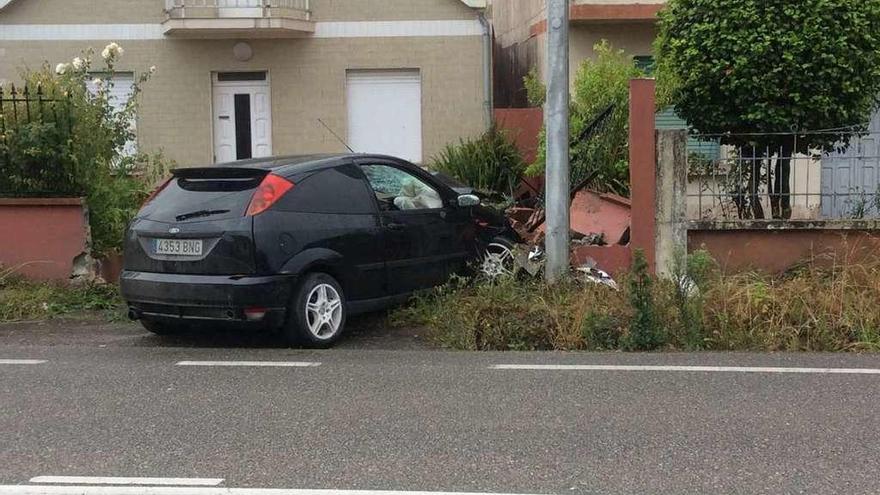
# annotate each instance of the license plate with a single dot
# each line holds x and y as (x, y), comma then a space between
(178, 247)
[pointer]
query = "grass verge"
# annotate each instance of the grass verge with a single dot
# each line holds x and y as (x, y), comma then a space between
(808, 309)
(22, 300)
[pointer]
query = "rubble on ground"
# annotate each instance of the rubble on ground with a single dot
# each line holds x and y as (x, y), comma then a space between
(597, 219)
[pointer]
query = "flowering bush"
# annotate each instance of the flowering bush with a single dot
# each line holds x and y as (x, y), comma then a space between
(76, 144)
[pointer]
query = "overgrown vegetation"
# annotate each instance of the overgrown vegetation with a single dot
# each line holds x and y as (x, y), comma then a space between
(600, 82)
(68, 137)
(489, 163)
(22, 300)
(536, 92)
(808, 309)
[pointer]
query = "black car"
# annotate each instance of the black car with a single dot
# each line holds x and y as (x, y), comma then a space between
(298, 243)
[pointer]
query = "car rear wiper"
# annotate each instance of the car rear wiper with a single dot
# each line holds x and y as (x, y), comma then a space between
(200, 213)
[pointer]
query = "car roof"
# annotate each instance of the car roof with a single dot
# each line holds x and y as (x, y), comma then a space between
(301, 163)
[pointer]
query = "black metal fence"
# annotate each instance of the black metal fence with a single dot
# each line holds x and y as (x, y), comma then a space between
(36, 145)
(791, 180)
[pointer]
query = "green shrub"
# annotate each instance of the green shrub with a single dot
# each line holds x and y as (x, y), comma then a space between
(489, 163)
(599, 82)
(536, 92)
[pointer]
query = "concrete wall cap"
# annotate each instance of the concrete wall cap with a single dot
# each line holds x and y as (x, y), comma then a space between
(42, 201)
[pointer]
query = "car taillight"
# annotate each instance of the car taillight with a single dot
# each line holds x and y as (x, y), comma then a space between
(270, 190)
(157, 191)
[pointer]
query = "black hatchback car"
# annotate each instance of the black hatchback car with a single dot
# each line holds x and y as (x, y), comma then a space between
(298, 243)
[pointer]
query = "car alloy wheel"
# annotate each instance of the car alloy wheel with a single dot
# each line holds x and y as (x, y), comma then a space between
(324, 311)
(497, 261)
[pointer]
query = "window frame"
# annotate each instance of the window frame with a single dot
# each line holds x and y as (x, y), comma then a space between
(130, 148)
(444, 192)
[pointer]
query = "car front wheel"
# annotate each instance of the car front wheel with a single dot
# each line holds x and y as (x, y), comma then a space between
(317, 313)
(497, 259)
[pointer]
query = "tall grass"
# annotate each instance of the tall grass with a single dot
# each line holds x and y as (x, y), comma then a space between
(21, 299)
(814, 308)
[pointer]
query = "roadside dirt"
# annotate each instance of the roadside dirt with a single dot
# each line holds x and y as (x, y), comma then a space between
(363, 332)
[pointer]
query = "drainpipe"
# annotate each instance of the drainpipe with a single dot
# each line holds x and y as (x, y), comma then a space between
(488, 118)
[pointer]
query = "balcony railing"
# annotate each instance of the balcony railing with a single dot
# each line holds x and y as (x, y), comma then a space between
(237, 17)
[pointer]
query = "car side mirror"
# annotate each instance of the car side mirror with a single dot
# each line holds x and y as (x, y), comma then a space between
(466, 200)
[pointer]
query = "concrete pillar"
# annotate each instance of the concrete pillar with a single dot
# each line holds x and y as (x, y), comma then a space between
(671, 240)
(557, 170)
(642, 167)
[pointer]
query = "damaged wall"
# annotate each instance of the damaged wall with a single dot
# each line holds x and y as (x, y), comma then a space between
(43, 236)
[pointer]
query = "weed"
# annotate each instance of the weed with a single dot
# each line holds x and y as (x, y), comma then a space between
(813, 308)
(644, 332)
(24, 300)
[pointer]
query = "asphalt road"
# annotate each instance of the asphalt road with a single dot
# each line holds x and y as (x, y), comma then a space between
(387, 412)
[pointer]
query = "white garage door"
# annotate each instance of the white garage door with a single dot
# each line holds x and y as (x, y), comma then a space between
(385, 113)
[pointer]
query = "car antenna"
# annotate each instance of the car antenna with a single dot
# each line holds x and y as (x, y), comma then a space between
(336, 135)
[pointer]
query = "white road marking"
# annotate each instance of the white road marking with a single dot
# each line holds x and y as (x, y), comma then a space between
(281, 364)
(168, 490)
(722, 369)
(105, 480)
(22, 361)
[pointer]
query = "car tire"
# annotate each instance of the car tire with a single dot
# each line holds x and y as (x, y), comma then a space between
(163, 328)
(317, 312)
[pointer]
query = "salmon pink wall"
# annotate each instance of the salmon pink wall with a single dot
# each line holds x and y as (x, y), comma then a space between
(43, 236)
(777, 250)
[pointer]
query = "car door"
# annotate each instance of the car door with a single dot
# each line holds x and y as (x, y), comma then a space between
(329, 213)
(424, 233)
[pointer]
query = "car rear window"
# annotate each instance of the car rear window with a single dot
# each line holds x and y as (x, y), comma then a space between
(201, 199)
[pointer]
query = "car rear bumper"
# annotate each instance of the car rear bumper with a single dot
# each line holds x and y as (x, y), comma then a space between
(206, 297)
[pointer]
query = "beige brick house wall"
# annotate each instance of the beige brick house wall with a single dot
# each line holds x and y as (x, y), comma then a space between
(514, 22)
(137, 11)
(82, 11)
(636, 38)
(388, 10)
(512, 19)
(307, 75)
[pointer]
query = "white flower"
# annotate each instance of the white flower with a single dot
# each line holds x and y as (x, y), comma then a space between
(60, 69)
(97, 82)
(112, 50)
(153, 69)
(78, 63)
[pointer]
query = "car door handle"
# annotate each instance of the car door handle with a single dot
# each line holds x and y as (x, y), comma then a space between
(395, 226)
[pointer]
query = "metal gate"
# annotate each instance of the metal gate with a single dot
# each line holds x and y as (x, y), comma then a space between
(849, 184)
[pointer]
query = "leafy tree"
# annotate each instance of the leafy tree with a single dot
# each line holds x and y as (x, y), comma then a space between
(772, 66)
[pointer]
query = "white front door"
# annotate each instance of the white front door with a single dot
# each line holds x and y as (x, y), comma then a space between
(242, 118)
(385, 112)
